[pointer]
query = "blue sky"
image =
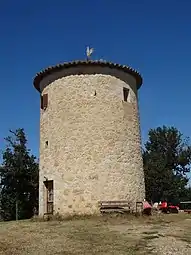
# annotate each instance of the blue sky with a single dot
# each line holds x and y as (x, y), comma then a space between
(153, 37)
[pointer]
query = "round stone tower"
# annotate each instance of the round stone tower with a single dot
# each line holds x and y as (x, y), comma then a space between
(90, 145)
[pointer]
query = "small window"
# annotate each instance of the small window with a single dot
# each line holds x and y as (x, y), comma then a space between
(44, 101)
(125, 94)
(46, 144)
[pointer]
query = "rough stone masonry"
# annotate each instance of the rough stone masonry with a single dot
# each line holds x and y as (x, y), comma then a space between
(90, 145)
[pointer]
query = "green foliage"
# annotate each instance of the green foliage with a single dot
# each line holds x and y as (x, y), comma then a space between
(166, 158)
(18, 178)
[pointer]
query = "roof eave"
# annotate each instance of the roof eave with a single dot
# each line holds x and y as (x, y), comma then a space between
(39, 76)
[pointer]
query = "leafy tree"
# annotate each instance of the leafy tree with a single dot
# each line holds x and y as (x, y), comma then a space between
(167, 158)
(18, 178)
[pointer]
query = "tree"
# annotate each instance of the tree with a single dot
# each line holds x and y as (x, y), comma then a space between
(166, 158)
(18, 178)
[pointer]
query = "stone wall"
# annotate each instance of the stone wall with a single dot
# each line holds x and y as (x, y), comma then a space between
(93, 136)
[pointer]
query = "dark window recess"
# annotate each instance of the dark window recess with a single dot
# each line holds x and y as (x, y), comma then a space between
(95, 93)
(46, 143)
(44, 101)
(125, 94)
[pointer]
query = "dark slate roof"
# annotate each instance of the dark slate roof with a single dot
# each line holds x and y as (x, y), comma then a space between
(39, 76)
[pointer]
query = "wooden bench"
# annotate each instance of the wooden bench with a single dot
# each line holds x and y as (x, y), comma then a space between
(188, 211)
(114, 206)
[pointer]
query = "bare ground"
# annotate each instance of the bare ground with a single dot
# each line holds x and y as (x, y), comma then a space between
(162, 234)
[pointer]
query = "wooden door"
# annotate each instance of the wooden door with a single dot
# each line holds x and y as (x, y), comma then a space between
(49, 197)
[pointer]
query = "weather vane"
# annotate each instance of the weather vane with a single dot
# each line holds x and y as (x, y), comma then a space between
(89, 52)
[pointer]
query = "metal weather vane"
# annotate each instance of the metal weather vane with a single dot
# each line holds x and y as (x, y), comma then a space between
(89, 52)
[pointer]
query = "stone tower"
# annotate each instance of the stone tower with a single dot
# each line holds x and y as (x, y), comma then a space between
(90, 146)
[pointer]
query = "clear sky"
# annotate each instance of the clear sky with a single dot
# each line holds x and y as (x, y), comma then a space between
(153, 37)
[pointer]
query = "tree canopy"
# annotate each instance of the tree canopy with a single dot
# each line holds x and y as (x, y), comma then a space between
(18, 178)
(166, 158)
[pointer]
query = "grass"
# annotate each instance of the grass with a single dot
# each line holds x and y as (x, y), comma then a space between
(96, 235)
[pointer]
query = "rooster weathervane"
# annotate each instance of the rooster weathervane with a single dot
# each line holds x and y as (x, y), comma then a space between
(89, 52)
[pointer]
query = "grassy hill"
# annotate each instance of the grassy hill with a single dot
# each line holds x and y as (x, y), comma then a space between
(102, 235)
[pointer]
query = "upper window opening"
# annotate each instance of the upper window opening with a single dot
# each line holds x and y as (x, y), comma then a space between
(125, 94)
(44, 101)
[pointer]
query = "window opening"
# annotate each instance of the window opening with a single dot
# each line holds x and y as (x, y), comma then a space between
(44, 101)
(125, 94)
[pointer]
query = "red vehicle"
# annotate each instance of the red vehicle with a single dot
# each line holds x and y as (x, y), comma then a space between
(168, 208)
